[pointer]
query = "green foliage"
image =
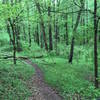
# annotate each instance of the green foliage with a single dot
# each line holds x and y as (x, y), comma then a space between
(13, 80)
(70, 79)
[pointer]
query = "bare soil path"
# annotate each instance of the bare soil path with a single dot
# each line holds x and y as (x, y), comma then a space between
(41, 90)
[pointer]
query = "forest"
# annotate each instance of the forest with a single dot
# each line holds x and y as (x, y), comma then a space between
(49, 50)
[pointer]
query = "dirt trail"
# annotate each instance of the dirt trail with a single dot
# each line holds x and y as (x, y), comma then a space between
(41, 90)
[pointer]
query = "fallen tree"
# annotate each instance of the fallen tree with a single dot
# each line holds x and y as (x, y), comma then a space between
(21, 57)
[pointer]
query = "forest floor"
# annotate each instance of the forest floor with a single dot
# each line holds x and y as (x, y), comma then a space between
(40, 90)
(46, 73)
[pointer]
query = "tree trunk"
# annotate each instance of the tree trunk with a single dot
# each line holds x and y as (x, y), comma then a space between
(50, 30)
(87, 40)
(42, 24)
(29, 26)
(37, 35)
(66, 26)
(29, 35)
(41, 37)
(12, 23)
(95, 44)
(72, 50)
(74, 31)
(17, 31)
(9, 32)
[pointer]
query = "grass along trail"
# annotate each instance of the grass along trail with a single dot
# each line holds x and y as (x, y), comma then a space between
(41, 90)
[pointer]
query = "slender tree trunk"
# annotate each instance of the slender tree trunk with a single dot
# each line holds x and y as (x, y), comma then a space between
(95, 44)
(42, 24)
(72, 50)
(55, 26)
(87, 40)
(50, 30)
(99, 38)
(74, 31)
(8, 25)
(17, 31)
(41, 37)
(29, 33)
(29, 26)
(66, 26)
(83, 24)
(9, 31)
(12, 23)
(37, 35)
(57, 38)
(72, 17)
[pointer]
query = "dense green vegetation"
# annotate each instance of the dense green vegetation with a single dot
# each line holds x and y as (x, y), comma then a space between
(13, 80)
(61, 36)
(72, 80)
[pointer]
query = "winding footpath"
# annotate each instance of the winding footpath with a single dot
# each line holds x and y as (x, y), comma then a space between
(40, 90)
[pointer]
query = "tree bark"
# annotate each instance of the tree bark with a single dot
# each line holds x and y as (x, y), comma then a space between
(95, 44)
(42, 24)
(17, 31)
(12, 23)
(9, 32)
(74, 31)
(37, 35)
(29, 26)
(50, 29)
(66, 26)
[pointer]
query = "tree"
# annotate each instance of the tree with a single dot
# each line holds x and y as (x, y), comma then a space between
(42, 24)
(74, 31)
(29, 26)
(12, 23)
(50, 27)
(95, 44)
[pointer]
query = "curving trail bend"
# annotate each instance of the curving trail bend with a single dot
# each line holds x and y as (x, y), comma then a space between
(40, 90)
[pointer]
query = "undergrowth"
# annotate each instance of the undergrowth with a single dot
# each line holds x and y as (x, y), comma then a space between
(13, 79)
(72, 80)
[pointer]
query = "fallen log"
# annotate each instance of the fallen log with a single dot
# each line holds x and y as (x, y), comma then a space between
(21, 57)
(36, 57)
